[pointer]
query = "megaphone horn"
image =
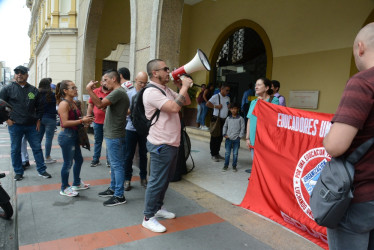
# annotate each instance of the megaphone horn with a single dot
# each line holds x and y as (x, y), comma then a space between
(199, 62)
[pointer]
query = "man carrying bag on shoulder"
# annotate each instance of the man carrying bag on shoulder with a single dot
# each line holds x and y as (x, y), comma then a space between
(353, 124)
(219, 102)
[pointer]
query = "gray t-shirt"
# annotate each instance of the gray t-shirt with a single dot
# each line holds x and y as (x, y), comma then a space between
(115, 116)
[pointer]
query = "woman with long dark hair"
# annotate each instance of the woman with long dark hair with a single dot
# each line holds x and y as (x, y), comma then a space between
(48, 121)
(70, 119)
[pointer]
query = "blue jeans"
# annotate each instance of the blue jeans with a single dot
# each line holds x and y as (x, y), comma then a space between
(16, 132)
(131, 140)
(199, 109)
(116, 154)
(68, 141)
(24, 153)
(163, 163)
(201, 115)
(99, 136)
(234, 145)
(355, 230)
(47, 126)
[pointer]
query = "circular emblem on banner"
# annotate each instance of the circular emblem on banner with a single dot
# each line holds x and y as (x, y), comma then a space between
(306, 175)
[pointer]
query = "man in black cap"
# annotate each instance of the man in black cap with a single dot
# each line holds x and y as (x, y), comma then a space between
(24, 120)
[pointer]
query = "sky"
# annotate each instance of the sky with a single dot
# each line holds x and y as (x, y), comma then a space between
(14, 26)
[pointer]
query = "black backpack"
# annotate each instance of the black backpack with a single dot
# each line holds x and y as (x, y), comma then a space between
(137, 116)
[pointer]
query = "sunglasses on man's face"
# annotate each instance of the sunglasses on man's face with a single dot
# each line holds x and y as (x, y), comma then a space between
(166, 69)
(20, 72)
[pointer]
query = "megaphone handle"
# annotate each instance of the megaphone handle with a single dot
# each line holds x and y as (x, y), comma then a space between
(181, 77)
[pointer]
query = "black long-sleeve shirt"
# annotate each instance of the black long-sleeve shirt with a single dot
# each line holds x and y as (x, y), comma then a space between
(25, 101)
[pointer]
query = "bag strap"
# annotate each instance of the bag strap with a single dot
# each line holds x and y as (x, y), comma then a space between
(157, 113)
(219, 102)
(356, 155)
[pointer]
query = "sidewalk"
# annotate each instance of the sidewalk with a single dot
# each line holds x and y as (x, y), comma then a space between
(206, 218)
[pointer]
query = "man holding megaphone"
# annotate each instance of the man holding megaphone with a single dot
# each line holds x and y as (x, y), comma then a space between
(163, 139)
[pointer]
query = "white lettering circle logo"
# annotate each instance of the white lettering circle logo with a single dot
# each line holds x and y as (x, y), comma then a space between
(306, 175)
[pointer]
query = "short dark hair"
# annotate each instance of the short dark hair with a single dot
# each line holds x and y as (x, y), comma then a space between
(151, 65)
(234, 105)
(125, 72)
(113, 74)
(224, 85)
(276, 84)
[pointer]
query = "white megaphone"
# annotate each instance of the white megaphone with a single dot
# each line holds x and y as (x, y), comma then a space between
(199, 62)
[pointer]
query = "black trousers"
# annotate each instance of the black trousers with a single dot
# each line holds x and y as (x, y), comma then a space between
(215, 142)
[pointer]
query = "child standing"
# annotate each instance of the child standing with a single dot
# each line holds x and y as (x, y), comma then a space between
(233, 130)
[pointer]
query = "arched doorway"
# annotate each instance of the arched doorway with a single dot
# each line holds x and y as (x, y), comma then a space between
(242, 54)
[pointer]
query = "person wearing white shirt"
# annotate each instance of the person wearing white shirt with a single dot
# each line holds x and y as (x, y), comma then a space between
(219, 102)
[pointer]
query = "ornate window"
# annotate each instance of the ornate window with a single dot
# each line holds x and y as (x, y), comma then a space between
(241, 61)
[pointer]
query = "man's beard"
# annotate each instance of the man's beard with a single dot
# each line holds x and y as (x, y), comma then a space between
(105, 88)
(163, 80)
(21, 81)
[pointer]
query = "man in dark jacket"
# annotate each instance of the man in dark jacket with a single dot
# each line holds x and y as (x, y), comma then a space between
(24, 120)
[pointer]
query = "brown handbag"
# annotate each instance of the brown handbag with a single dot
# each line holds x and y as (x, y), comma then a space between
(82, 133)
(215, 127)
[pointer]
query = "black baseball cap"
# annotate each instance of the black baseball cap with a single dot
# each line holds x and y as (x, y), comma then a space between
(21, 68)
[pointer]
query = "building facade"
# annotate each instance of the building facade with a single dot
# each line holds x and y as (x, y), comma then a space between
(306, 45)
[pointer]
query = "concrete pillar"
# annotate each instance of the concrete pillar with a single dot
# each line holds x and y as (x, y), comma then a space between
(48, 22)
(90, 12)
(72, 15)
(56, 14)
(155, 37)
(170, 32)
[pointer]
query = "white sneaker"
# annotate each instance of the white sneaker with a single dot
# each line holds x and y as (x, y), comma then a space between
(82, 186)
(69, 192)
(205, 128)
(162, 213)
(50, 161)
(153, 225)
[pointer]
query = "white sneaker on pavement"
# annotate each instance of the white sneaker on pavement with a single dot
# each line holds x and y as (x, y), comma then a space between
(153, 225)
(205, 128)
(69, 192)
(50, 161)
(162, 213)
(82, 186)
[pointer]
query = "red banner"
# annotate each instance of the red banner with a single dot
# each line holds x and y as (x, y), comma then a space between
(288, 159)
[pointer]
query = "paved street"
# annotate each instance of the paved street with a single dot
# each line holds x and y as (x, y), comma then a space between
(203, 202)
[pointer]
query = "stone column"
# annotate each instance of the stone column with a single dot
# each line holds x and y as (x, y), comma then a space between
(43, 20)
(156, 37)
(56, 14)
(72, 14)
(170, 32)
(48, 22)
(90, 12)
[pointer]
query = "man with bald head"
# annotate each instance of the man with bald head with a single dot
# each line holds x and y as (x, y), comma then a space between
(133, 138)
(353, 124)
